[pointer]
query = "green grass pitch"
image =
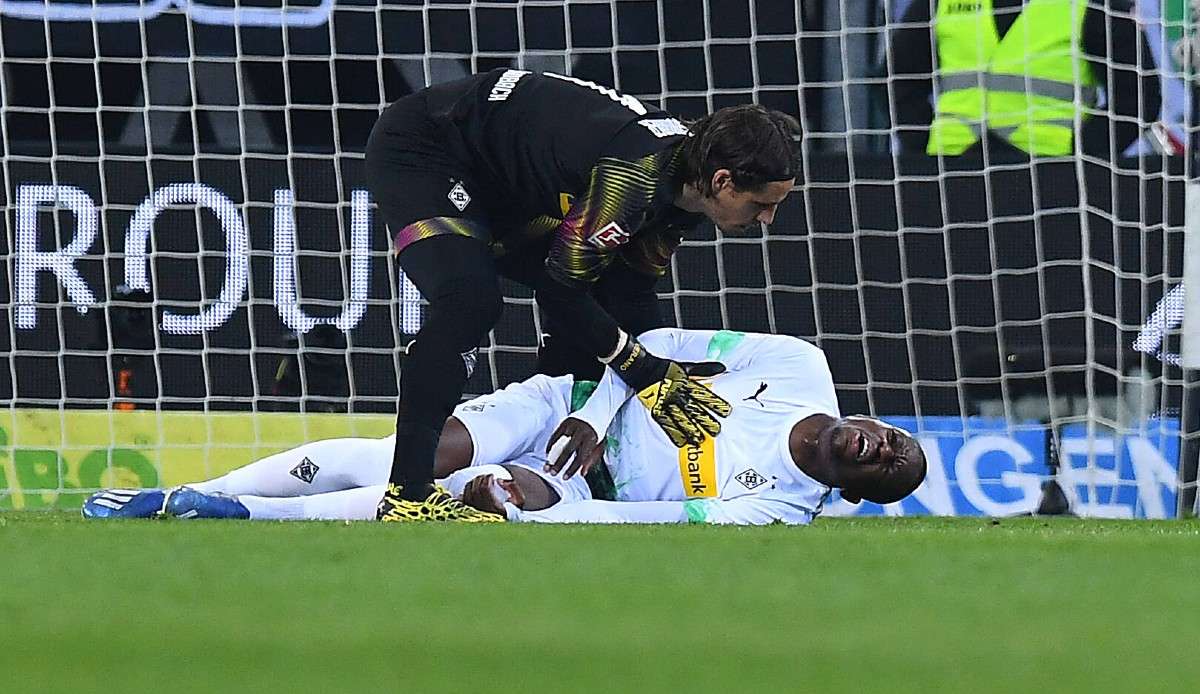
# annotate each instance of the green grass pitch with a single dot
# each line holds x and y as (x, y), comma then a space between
(847, 605)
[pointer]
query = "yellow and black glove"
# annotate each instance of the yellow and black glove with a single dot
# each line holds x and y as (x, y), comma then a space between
(686, 409)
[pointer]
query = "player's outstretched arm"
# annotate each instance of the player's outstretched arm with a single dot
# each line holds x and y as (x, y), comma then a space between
(596, 511)
(710, 511)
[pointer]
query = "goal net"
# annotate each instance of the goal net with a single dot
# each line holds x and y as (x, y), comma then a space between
(197, 275)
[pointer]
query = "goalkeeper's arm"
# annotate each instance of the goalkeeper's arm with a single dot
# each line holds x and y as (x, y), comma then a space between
(685, 409)
(574, 263)
(606, 215)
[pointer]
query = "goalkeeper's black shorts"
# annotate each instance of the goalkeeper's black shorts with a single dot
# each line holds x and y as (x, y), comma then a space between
(416, 173)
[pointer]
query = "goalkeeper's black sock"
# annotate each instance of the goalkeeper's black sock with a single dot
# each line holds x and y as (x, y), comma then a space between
(456, 274)
(431, 384)
(416, 445)
(432, 379)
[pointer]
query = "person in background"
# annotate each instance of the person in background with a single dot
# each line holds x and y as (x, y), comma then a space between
(1017, 76)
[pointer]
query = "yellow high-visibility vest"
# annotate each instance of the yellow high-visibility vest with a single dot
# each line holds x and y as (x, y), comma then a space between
(1027, 88)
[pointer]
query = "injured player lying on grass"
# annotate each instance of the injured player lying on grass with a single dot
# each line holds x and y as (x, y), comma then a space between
(530, 452)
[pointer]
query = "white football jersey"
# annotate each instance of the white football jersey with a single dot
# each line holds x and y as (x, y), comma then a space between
(745, 474)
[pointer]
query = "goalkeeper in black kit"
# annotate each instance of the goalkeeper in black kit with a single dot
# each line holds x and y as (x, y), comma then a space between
(577, 191)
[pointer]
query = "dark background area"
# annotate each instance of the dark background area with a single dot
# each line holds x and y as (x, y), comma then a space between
(928, 287)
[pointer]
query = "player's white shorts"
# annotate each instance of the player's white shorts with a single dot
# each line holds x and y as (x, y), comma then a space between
(513, 425)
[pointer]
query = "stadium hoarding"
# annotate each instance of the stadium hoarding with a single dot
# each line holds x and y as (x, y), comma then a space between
(291, 14)
(976, 468)
(52, 459)
(991, 467)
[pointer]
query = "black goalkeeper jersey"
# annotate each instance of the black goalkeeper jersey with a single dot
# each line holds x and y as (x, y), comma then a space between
(555, 155)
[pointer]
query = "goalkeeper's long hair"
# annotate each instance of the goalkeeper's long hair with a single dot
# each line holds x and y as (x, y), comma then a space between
(756, 144)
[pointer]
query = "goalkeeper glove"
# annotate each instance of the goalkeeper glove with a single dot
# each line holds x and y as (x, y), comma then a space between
(686, 410)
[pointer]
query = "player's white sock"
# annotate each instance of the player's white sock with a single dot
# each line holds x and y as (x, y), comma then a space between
(314, 468)
(348, 504)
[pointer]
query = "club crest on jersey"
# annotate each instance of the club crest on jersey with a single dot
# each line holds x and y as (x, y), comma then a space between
(470, 359)
(610, 236)
(459, 197)
(664, 127)
(476, 406)
(305, 471)
(750, 479)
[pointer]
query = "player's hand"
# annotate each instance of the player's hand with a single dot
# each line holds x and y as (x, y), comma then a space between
(686, 409)
(576, 441)
(480, 493)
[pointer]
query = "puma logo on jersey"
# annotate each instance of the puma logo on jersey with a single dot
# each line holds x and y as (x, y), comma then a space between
(505, 85)
(761, 387)
(609, 236)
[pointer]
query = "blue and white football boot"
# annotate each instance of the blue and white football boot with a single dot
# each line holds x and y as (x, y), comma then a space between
(185, 502)
(125, 503)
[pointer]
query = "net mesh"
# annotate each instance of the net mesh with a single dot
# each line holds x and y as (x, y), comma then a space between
(184, 194)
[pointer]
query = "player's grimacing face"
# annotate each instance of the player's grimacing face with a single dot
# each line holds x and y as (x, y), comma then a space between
(735, 209)
(857, 441)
